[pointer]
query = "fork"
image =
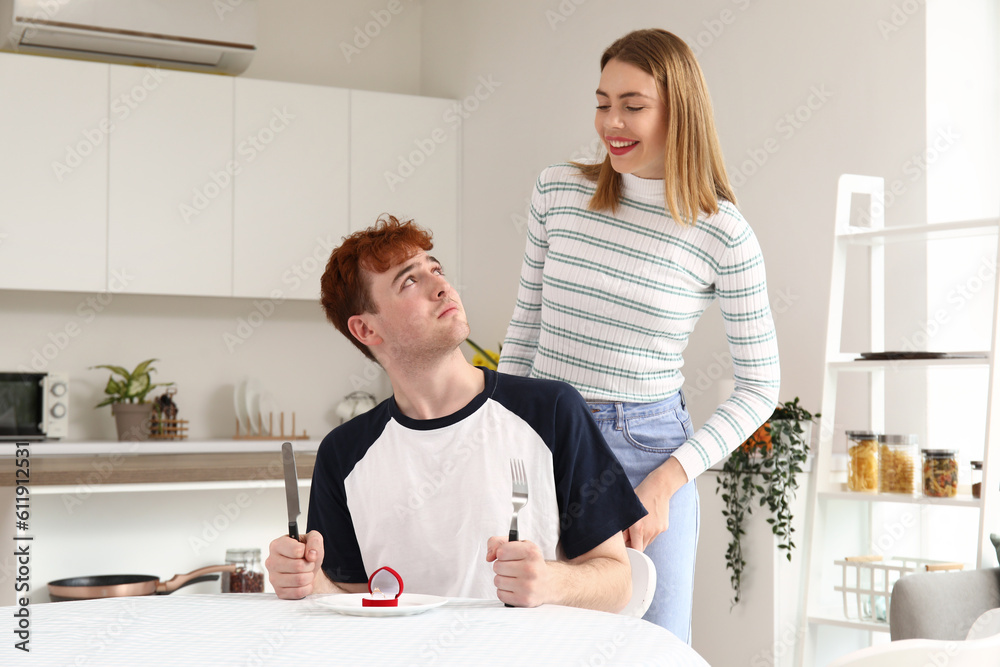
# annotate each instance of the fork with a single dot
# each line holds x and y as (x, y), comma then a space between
(518, 494)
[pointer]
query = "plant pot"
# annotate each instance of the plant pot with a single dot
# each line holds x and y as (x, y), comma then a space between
(132, 420)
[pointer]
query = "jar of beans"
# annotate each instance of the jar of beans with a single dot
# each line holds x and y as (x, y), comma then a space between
(940, 473)
(248, 576)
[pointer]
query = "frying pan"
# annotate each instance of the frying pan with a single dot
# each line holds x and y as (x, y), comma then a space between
(121, 585)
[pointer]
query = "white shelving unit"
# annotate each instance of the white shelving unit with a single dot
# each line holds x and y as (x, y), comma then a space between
(840, 519)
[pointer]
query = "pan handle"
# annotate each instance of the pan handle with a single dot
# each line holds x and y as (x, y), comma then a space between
(179, 580)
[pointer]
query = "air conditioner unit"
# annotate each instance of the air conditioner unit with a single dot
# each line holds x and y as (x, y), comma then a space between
(200, 35)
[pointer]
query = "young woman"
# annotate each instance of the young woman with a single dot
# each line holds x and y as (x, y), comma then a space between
(622, 258)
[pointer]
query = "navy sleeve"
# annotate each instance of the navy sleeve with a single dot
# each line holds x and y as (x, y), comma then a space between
(595, 497)
(328, 509)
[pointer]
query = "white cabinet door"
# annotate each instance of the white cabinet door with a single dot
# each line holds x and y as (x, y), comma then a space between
(170, 203)
(54, 131)
(292, 161)
(404, 161)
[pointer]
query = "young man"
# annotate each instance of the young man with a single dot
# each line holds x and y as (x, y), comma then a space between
(421, 483)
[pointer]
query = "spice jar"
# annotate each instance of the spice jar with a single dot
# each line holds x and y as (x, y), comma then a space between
(897, 464)
(862, 462)
(940, 473)
(248, 577)
(977, 479)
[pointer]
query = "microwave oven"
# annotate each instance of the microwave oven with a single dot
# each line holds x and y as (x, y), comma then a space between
(34, 406)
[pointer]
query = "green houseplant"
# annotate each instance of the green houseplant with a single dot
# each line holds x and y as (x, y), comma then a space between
(766, 465)
(127, 396)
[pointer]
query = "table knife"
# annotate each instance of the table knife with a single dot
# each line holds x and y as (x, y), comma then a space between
(291, 489)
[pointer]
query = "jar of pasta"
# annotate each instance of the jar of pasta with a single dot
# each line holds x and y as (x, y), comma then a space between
(862, 462)
(940, 473)
(897, 464)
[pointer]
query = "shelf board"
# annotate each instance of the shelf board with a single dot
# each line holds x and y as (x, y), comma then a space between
(850, 362)
(957, 501)
(833, 618)
(154, 447)
(219, 485)
(933, 231)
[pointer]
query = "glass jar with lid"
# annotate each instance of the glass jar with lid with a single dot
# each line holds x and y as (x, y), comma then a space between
(977, 479)
(897, 464)
(248, 576)
(940, 473)
(862, 461)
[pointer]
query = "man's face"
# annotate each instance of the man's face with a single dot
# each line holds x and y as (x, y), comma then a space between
(420, 316)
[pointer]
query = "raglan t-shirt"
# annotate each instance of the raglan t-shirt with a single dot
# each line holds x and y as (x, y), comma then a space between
(424, 496)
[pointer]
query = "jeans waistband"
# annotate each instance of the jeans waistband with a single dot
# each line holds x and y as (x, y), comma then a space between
(619, 409)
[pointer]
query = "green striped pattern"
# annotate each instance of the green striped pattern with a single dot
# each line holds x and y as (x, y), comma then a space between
(607, 303)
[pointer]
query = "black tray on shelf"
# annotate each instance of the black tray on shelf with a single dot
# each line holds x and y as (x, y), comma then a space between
(893, 355)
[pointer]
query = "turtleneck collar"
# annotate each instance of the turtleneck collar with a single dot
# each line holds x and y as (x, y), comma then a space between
(643, 188)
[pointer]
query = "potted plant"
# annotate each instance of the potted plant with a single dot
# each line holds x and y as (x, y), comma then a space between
(127, 397)
(766, 465)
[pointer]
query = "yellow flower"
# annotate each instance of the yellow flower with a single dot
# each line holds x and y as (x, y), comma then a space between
(482, 357)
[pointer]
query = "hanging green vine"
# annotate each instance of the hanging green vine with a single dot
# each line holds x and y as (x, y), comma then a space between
(766, 465)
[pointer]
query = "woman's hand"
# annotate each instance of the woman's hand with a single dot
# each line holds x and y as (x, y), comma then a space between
(641, 533)
(655, 492)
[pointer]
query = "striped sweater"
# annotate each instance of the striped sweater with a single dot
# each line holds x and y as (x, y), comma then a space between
(606, 303)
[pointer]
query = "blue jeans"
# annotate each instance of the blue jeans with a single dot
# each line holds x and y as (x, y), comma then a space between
(643, 436)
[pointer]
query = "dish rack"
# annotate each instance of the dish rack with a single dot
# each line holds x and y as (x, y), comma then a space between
(867, 581)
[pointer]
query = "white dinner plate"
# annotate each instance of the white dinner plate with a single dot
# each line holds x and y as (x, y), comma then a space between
(409, 604)
(252, 398)
(240, 405)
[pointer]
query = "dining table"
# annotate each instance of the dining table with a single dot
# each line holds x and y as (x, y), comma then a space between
(257, 629)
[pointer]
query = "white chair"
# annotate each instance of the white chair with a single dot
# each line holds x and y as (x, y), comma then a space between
(924, 652)
(643, 583)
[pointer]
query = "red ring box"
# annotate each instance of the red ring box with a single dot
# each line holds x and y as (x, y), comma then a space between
(383, 602)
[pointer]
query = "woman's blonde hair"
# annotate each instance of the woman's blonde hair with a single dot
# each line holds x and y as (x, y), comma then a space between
(695, 176)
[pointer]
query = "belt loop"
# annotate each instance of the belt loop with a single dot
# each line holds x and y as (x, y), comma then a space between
(620, 416)
(683, 402)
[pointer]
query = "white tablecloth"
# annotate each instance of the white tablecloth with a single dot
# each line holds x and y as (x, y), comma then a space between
(260, 629)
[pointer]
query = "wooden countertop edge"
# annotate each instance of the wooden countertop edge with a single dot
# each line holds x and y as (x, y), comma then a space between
(154, 468)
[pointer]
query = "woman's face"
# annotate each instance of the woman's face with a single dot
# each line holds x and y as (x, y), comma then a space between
(631, 120)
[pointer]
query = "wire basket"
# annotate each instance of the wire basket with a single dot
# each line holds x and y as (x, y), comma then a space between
(867, 582)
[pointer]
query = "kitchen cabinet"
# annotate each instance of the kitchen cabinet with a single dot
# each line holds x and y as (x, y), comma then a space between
(845, 523)
(291, 169)
(170, 182)
(147, 181)
(404, 161)
(54, 132)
